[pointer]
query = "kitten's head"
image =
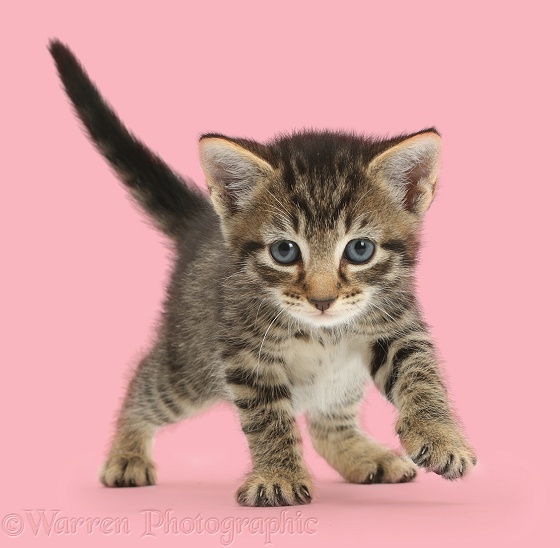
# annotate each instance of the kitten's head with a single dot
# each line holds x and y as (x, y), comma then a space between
(326, 223)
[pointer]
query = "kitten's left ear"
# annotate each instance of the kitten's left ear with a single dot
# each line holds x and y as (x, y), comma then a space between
(410, 170)
(233, 173)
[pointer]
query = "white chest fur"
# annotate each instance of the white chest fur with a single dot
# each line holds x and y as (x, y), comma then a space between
(327, 375)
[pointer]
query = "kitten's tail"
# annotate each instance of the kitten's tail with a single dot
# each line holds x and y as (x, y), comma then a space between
(161, 192)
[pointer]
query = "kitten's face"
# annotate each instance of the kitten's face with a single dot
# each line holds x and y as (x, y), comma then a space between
(325, 269)
(318, 223)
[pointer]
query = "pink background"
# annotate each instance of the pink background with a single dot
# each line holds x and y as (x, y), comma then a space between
(83, 274)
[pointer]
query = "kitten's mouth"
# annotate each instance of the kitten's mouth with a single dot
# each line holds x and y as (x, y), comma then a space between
(324, 318)
(315, 317)
(327, 319)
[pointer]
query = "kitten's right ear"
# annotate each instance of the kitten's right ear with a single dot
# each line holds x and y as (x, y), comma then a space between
(232, 172)
(410, 169)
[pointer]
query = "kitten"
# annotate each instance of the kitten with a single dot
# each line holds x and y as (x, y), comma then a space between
(293, 286)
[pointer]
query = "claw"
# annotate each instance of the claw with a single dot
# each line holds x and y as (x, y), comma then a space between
(298, 497)
(261, 496)
(447, 466)
(421, 457)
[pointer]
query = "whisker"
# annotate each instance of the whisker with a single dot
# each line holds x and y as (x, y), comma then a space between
(264, 337)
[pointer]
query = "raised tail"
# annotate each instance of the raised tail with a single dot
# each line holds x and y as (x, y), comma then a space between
(163, 194)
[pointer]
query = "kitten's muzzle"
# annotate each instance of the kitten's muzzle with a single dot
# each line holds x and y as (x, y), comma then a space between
(322, 304)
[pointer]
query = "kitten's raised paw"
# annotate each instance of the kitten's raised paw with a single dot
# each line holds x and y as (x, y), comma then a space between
(127, 471)
(437, 446)
(274, 489)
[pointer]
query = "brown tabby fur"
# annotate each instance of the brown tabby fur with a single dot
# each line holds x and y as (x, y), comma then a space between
(277, 339)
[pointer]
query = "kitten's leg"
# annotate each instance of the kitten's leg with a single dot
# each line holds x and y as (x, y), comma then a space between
(279, 476)
(357, 458)
(405, 370)
(153, 400)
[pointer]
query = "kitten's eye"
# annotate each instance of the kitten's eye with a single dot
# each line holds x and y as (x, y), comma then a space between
(285, 252)
(359, 251)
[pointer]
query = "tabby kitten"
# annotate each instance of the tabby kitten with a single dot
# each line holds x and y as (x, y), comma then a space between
(293, 286)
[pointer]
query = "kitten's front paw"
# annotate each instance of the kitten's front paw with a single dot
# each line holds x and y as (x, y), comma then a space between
(275, 489)
(127, 471)
(437, 446)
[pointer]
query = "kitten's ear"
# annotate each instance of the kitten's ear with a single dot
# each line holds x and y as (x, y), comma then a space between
(232, 172)
(410, 170)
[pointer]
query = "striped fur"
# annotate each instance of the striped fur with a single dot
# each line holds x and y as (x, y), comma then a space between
(279, 339)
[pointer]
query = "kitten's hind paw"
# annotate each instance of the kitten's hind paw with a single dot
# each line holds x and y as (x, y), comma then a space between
(274, 489)
(127, 471)
(391, 468)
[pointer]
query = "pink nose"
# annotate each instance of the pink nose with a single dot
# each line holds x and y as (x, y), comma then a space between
(322, 304)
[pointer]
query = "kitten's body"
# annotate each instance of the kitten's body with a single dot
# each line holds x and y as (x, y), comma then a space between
(278, 338)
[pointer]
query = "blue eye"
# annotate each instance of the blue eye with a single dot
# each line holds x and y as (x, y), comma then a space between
(285, 252)
(359, 251)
